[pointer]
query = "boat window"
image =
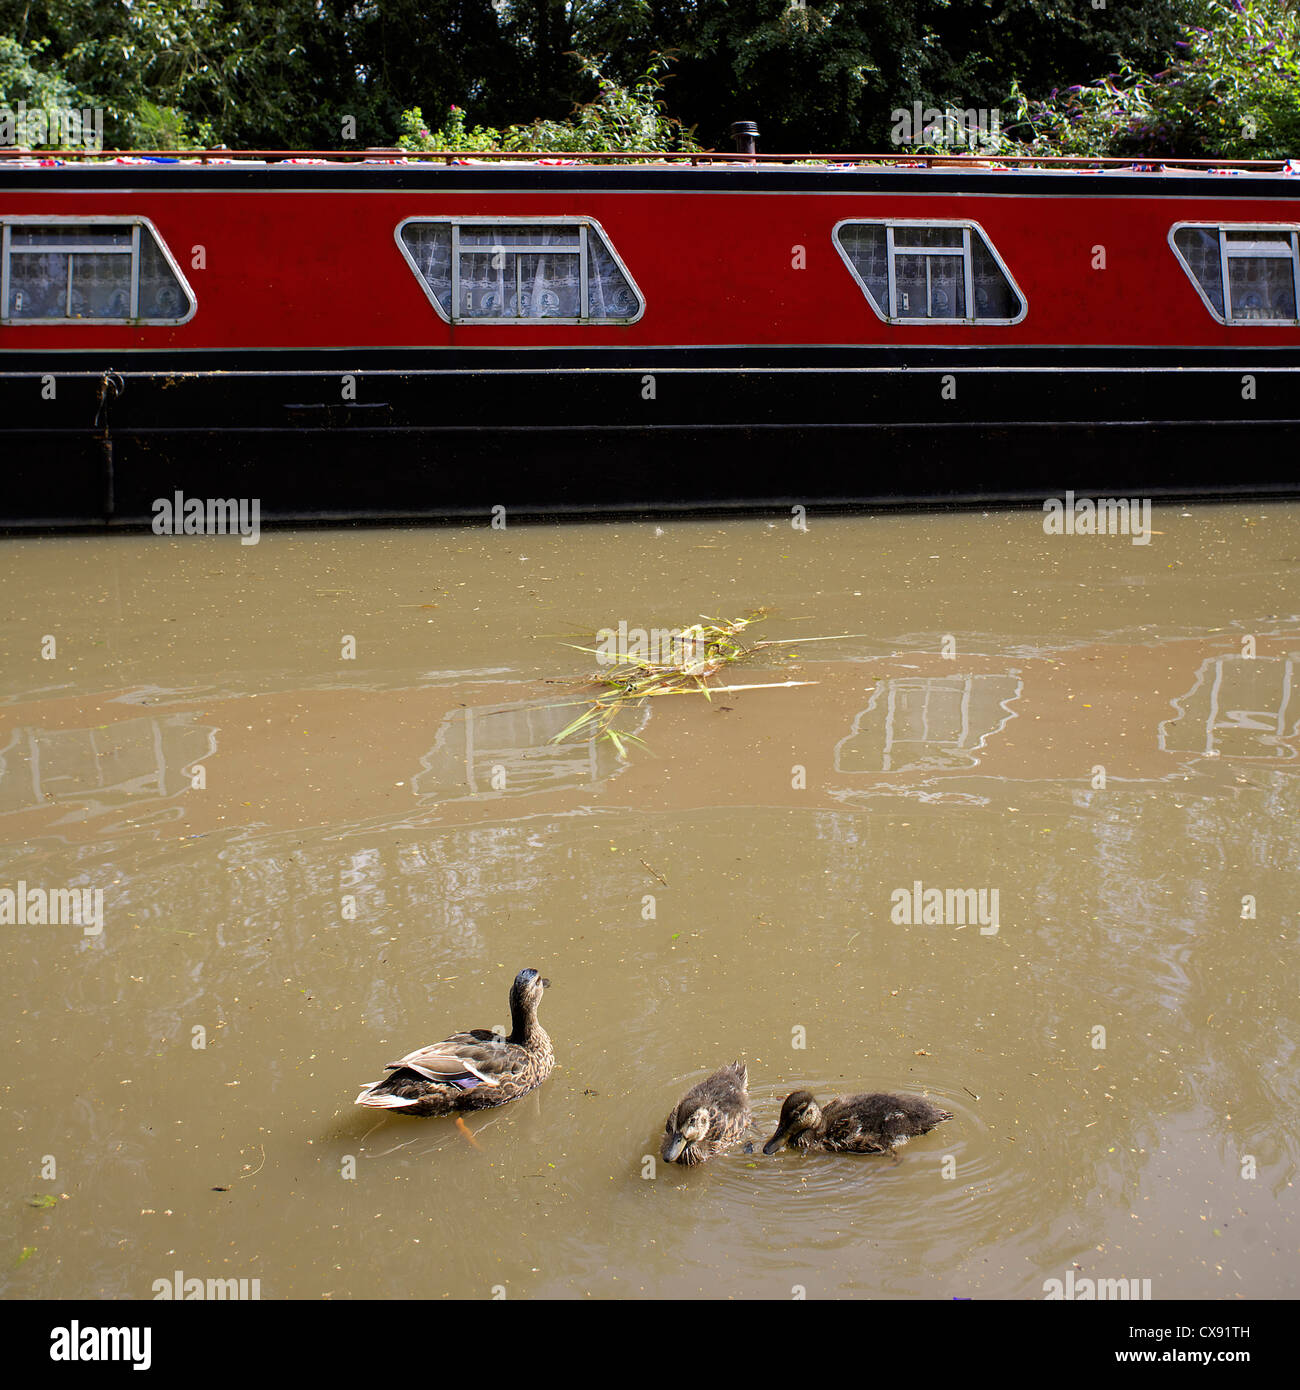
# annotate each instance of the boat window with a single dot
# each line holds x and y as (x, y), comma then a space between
(65, 270)
(508, 270)
(938, 272)
(1243, 274)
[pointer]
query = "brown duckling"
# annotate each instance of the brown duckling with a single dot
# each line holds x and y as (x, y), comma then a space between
(474, 1070)
(709, 1118)
(862, 1124)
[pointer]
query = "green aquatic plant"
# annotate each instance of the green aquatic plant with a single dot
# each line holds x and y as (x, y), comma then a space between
(684, 662)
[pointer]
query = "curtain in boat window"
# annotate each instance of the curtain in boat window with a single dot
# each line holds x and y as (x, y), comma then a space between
(609, 296)
(1199, 248)
(1247, 274)
(161, 294)
(994, 296)
(73, 272)
(429, 246)
(1261, 274)
(69, 272)
(932, 265)
(863, 243)
(520, 271)
(1261, 289)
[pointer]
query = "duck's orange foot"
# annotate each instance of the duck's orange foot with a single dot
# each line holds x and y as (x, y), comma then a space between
(465, 1130)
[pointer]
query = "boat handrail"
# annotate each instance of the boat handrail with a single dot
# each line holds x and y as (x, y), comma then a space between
(910, 160)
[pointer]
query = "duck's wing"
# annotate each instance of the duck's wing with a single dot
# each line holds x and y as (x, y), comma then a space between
(859, 1124)
(726, 1089)
(477, 1058)
(732, 1078)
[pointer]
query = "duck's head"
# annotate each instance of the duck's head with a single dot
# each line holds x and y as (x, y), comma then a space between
(799, 1111)
(679, 1132)
(526, 992)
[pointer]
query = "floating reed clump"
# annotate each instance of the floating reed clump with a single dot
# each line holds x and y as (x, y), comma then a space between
(682, 661)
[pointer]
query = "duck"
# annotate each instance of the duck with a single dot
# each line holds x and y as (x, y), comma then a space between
(709, 1118)
(869, 1123)
(472, 1070)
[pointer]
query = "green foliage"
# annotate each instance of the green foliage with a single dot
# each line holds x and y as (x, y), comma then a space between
(25, 76)
(1231, 91)
(451, 135)
(620, 118)
(821, 75)
(160, 127)
(160, 68)
(826, 75)
(814, 77)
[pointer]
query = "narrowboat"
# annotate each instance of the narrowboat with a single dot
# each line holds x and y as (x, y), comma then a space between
(387, 337)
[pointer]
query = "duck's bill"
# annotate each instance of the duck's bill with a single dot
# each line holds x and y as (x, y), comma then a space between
(546, 984)
(673, 1148)
(775, 1143)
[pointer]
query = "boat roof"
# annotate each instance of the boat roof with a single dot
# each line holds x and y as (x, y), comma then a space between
(17, 157)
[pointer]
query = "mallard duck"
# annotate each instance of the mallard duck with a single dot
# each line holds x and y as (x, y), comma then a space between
(474, 1070)
(862, 1124)
(709, 1118)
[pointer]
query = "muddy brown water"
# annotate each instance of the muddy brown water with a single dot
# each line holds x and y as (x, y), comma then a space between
(1108, 741)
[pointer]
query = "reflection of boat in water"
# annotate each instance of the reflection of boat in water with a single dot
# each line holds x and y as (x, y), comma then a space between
(508, 750)
(925, 723)
(472, 752)
(105, 766)
(1241, 707)
(447, 339)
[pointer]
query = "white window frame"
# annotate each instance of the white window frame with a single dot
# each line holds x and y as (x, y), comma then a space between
(137, 226)
(967, 227)
(482, 321)
(1240, 251)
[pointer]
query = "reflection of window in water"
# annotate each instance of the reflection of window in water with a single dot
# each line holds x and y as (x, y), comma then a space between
(508, 750)
(919, 722)
(1242, 707)
(105, 766)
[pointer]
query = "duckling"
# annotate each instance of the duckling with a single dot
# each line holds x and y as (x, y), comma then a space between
(709, 1118)
(862, 1124)
(474, 1070)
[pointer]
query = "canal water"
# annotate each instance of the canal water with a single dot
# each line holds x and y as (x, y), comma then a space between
(314, 780)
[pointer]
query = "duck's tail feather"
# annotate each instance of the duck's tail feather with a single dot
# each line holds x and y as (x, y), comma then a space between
(383, 1100)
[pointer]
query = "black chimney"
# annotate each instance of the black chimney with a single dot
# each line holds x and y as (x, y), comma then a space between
(745, 134)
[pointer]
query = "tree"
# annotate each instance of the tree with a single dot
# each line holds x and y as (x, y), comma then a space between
(1231, 90)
